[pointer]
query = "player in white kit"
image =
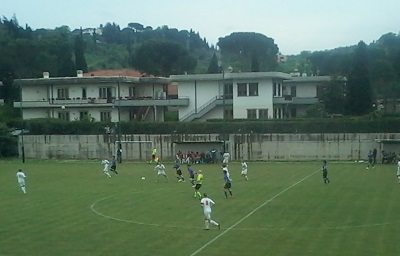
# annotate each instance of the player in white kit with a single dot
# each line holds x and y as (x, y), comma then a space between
(206, 203)
(106, 168)
(160, 168)
(226, 157)
(244, 170)
(21, 180)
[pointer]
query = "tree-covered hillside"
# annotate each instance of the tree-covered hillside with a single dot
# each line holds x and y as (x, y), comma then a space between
(164, 51)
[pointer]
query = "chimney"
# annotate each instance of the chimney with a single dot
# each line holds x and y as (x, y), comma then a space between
(46, 75)
(79, 73)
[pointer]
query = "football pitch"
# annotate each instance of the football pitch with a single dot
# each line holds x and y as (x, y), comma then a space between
(72, 208)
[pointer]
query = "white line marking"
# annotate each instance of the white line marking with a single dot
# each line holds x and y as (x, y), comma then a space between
(251, 213)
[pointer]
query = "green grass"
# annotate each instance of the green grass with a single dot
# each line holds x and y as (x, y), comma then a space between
(72, 209)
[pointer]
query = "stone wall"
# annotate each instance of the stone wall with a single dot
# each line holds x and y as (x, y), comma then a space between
(269, 147)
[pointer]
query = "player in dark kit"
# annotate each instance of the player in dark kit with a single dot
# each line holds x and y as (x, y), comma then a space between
(179, 175)
(325, 172)
(228, 184)
(113, 166)
(191, 174)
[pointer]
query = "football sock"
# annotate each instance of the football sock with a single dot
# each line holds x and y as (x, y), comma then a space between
(230, 192)
(207, 223)
(23, 190)
(226, 194)
(213, 222)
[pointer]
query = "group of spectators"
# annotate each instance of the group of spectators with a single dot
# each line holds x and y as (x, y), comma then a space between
(191, 157)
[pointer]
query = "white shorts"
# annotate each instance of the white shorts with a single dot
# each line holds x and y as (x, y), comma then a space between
(21, 183)
(207, 215)
(161, 172)
(225, 161)
(244, 172)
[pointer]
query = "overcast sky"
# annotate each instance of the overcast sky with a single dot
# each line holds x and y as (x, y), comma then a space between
(295, 26)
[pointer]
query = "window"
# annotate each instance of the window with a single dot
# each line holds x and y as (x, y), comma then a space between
(242, 89)
(228, 90)
(83, 115)
(278, 113)
(253, 89)
(84, 93)
(263, 113)
(63, 115)
(105, 93)
(62, 93)
(277, 88)
(252, 114)
(293, 91)
(132, 92)
(105, 116)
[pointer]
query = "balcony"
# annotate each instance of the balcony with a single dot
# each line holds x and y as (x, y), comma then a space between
(74, 102)
(149, 101)
(295, 100)
(97, 102)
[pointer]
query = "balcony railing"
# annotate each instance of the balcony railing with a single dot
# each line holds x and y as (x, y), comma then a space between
(122, 101)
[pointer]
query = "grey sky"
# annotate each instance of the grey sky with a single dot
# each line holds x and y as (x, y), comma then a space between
(294, 25)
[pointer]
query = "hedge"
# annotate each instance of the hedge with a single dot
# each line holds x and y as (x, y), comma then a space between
(325, 125)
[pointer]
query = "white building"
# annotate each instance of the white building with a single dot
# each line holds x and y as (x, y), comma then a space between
(250, 95)
(247, 95)
(112, 98)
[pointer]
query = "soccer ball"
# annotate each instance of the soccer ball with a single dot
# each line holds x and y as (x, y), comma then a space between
(143, 178)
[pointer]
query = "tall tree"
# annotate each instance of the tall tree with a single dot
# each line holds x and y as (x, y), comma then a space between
(80, 60)
(213, 68)
(163, 58)
(333, 96)
(238, 50)
(359, 93)
(255, 64)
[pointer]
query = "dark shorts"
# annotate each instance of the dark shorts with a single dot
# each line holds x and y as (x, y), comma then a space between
(179, 172)
(227, 185)
(197, 187)
(112, 168)
(153, 157)
(191, 176)
(325, 175)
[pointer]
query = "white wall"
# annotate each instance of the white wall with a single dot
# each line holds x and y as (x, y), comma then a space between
(262, 101)
(35, 113)
(204, 90)
(253, 147)
(306, 90)
(34, 93)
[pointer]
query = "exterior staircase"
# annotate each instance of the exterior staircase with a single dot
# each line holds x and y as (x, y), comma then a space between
(202, 110)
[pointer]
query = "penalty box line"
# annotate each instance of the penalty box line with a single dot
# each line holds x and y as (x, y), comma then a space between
(251, 213)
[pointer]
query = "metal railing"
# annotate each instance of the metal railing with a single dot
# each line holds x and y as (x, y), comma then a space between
(203, 109)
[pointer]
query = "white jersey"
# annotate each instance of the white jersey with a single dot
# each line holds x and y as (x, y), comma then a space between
(206, 203)
(226, 157)
(227, 171)
(106, 164)
(244, 168)
(160, 168)
(21, 177)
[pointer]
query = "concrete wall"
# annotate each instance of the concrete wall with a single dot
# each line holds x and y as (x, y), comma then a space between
(270, 147)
